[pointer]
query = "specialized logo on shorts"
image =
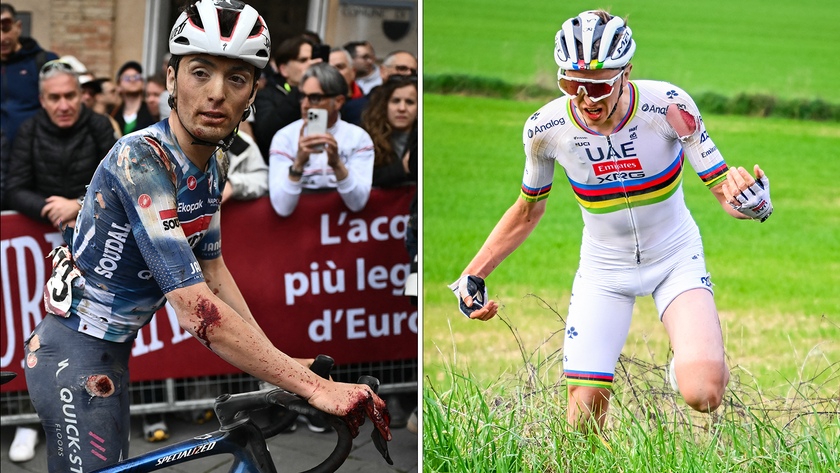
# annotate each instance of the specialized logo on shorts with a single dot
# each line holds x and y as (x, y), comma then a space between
(144, 201)
(624, 165)
(191, 182)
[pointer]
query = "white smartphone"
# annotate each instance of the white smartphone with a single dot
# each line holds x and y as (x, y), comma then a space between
(316, 123)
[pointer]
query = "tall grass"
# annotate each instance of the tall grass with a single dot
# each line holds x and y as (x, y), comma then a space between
(516, 422)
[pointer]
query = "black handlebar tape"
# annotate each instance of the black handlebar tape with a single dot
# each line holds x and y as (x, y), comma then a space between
(6, 376)
(322, 366)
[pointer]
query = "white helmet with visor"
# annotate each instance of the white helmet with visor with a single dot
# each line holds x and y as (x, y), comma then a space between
(248, 40)
(587, 42)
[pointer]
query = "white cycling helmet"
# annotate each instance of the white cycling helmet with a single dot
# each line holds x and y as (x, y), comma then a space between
(249, 39)
(614, 49)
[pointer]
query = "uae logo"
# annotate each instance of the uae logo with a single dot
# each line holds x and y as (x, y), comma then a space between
(144, 201)
(191, 182)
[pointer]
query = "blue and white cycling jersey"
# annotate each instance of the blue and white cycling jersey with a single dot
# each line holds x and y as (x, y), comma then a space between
(148, 214)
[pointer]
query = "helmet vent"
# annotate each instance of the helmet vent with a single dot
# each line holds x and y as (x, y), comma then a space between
(182, 40)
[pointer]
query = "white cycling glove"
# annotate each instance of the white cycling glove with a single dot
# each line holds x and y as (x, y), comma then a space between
(471, 293)
(755, 201)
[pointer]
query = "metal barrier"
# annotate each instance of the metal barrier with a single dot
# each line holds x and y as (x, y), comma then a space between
(187, 394)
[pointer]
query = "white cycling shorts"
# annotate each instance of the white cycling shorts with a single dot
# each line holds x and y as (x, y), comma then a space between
(603, 295)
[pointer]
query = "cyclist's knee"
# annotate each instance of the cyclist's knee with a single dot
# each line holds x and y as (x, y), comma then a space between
(705, 386)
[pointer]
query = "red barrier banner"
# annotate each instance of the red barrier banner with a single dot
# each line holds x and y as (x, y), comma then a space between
(324, 280)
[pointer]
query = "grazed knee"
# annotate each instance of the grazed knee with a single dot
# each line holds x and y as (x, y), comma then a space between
(705, 388)
(99, 385)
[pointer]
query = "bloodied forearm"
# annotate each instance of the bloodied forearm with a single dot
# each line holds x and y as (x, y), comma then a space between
(229, 335)
(226, 333)
(222, 284)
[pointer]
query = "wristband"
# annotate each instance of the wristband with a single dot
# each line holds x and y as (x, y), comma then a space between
(294, 172)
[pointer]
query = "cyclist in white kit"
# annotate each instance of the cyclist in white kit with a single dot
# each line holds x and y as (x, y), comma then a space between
(622, 145)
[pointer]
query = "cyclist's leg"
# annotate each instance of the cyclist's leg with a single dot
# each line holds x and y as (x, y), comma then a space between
(686, 305)
(79, 387)
(691, 321)
(596, 329)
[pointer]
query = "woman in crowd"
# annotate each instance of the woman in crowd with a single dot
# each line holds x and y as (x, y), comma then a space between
(391, 122)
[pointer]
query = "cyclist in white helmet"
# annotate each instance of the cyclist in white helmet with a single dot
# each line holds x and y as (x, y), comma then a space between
(622, 146)
(148, 232)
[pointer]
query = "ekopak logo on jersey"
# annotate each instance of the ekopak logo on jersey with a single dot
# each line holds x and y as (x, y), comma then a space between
(190, 208)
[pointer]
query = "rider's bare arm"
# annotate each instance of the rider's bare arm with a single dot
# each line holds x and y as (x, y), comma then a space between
(220, 328)
(511, 231)
(221, 283)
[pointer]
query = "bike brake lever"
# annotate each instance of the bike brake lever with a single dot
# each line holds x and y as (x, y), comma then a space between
(322, 366)
(378, 440)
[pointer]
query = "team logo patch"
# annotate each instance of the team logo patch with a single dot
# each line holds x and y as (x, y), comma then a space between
(144, 201)
(170, 219)
(191, 182)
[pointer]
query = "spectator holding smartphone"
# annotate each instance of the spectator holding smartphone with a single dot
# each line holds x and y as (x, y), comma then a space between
(341, 158)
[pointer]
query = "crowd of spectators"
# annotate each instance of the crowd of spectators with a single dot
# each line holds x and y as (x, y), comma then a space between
(59, 121)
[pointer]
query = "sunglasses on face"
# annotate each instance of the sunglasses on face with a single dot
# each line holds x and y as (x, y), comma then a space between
(315, 99)
(405, 70)
(403, 77)
(131, 78)
(596, 89)
(6, 24)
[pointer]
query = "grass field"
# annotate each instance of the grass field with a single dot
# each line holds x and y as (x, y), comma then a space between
(494, 397)
(776, 291)
(777, 47)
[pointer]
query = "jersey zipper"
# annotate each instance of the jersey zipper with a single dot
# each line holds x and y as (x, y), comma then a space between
(638, 253)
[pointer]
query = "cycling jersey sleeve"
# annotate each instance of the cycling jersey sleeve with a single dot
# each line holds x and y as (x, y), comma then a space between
(355, 188)
(143, 178)
(283, 192)
(701, 152)
(539, 164)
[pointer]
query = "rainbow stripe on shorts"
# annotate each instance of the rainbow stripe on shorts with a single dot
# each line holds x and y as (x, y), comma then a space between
(589, 378)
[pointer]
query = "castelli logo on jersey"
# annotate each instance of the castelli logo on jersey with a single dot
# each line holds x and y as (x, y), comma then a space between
(191, 182)
(144, 201)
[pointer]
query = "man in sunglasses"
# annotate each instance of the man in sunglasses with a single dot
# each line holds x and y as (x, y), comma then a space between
(133, 114)
(341, 158)
(398, 62)
(21, 59)
(622, 146)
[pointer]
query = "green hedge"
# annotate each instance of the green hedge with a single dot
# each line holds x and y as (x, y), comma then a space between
(709, 102)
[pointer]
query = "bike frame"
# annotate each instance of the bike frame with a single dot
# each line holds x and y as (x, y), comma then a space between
(245, 443)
